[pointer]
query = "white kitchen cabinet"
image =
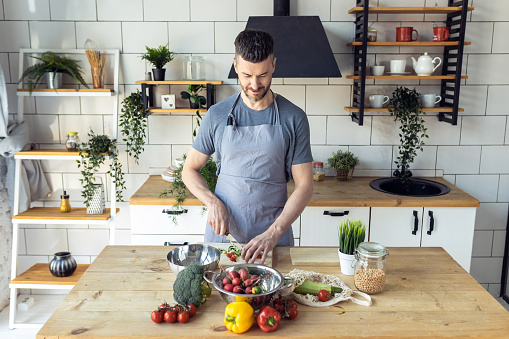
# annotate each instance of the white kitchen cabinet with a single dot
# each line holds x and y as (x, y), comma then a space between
(453, 229)
(319, 225)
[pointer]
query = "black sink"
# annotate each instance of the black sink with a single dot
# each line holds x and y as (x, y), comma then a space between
(413, 187)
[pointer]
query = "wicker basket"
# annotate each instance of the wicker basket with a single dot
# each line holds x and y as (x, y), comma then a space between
(343, 175)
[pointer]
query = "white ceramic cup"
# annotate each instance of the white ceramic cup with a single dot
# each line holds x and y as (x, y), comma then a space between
(430, 100)
(377, 70)
(378, 100)
(398, 66)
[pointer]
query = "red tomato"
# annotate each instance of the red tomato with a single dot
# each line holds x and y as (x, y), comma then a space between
(229, 254)
(324, 295)
(157, 316)
(192, 310)
(233, 257)
(183, 317)
(170, 316)
(292, 312)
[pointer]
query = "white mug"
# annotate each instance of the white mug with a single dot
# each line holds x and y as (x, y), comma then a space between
(377, 70)
(378, 100)
(398, 66)
(430, 100)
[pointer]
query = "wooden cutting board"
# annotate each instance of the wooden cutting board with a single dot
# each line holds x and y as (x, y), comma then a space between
(225, 261)
(314, 256)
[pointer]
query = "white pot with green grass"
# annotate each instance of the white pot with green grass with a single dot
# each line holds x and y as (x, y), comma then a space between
(351, 234)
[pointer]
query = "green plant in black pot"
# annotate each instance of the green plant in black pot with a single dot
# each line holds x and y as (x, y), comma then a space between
(192, 94)
(344, 164)
(93, 154)
(52, 66)
(158, 57)
(351, 233)
(133, 122)
(406, 109)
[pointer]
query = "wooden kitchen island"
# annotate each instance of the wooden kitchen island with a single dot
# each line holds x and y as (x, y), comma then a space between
(427, 295)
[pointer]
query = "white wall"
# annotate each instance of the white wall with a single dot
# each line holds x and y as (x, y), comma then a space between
(474, 155)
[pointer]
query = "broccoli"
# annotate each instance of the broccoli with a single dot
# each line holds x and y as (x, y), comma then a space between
(190, 287)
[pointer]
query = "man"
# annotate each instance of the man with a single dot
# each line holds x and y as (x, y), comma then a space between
(260, 141)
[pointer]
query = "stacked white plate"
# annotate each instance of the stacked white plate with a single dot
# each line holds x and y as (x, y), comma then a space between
(169, 173)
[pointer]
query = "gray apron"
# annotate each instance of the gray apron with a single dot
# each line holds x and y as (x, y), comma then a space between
(252, 179)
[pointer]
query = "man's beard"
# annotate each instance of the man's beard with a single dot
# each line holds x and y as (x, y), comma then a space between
(257, 97)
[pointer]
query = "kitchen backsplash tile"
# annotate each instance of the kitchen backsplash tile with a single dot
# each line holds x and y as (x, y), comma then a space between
(496, 101)
(491, 216)
(323, 153)
(441, 133)
(65, 105)
(132, 68)
(14, 35)
(46, 241)
(82, 124)
(52, 35)
(317, 128)
(483, 241)
(480, 34)
(120, 10)
(459, 159)
(170, 129)
(319, 8)
(135, 37)
(339, 10)
(27, 261)
(224, 35)
(339, 35)
(473, 100)
(87, 241)
(495, 159)
(152, 156)
(200, 43)
(500, 39)
(22, 248)
(13, 67)
(400, 17)
(484, 11)
(425, 160)
(107, 35)
(295, 93)
(245, 9)
(26, 10)
(305, 81)
(482, 130)
(498, 243)
(48, 134)
(84, 10)
(341, 131)
(503, 189)
(483, 187)
(166, 10)
(4, 63)
(487, 69)
(73, 186)
(219, 10)
(317, 105)
(373, 157)
(486, 270)
(384, 131)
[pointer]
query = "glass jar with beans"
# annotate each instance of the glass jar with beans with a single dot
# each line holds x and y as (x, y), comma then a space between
(370, 267)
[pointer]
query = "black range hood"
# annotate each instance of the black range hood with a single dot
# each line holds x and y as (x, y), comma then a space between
(300, 44)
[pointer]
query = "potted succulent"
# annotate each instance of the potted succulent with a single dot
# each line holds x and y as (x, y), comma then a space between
(133, 122)
(351, 233)
(406, 109)
(344, 164)
(192, 94)
(52, 67)
(93, 154)
(158, 57)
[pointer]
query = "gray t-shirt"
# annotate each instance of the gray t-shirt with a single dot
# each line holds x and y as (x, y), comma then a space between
(293, 121)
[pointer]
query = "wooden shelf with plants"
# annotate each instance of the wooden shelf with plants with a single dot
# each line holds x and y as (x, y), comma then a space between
(451, 77)
(83, 92)
(39, 274)
(53, 213)
(152, 110)
(386, 109)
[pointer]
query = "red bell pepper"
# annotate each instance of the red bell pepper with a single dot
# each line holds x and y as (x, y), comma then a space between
(268, 319)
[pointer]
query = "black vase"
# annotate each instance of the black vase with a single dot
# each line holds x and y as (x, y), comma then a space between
(193, 105)
(62, 265)
(158, 73)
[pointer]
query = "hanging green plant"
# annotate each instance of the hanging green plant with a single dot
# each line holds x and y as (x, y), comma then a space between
(93, 154)
(406, 109)
(133, 124)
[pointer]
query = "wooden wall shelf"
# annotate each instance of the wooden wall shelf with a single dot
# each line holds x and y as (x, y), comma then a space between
(408, 10)
(156, 110)
(40, 274)
(440, 77)
(53, 213)
(386, 109)
(409, 43)
(180, 82)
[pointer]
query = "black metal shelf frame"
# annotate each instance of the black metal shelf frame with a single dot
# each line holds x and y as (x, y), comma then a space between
(148, 98)
(452, 61)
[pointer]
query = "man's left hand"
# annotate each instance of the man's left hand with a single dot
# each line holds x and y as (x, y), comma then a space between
(264, 242)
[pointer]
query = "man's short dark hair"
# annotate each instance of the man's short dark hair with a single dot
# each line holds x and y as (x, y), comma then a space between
(254, 45)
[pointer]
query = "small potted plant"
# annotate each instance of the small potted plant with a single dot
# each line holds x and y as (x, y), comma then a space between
(133, 122)
(196, 101)
(351, 233)
(406, 109)
(343, 163)
(158, 57)
(52, 67)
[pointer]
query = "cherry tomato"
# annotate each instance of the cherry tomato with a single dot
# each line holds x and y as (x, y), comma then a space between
(170, 316)
(157, 316)
(183, 317)
(192, 310)
(233, 258)
(259, 256)
(324, 295)
(292, 312)
(229, 254)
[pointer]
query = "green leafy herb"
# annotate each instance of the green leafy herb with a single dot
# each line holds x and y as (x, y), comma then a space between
(406, 109)
(93, 154)
(343, 160)
(52, 63)
(133, 122)
(158, 56)
(351, 234)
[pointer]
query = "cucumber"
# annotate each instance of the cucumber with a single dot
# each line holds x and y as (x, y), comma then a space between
(309, 287)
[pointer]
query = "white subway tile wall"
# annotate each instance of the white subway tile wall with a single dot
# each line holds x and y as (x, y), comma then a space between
(473, 154)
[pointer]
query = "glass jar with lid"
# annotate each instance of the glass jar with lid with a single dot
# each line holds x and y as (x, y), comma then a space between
(194, 68)
(370, 267)
(372, 35)
(73, 142)
(318, 172)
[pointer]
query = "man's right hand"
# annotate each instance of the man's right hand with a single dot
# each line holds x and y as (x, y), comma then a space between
(218, 217)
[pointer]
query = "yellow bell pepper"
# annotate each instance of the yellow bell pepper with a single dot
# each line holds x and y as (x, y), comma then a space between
(239, 316)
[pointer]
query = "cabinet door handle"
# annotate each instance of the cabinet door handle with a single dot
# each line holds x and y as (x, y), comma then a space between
(416, 223)
(167, 243)
(336, 214)
(431, 222)
(172, 212)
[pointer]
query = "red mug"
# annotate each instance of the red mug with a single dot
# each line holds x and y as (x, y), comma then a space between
(405, 34)
(441, 33)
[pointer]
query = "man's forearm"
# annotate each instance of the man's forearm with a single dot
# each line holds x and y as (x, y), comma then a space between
(198, 186)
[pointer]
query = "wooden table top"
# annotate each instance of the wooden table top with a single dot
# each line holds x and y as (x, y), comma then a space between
(327, 193)
(427, 295)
